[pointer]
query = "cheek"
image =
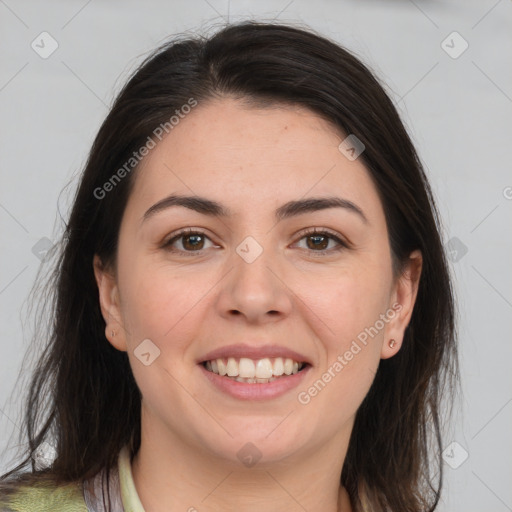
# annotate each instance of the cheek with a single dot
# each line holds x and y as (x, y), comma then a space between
(162, 307)
(347, 302)
(351, 307)
(159, 302)
(348, 314)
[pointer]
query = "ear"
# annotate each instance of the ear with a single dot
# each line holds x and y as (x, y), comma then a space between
(109, 304)
(403, 298)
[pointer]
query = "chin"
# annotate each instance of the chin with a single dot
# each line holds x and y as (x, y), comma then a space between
(258, 442)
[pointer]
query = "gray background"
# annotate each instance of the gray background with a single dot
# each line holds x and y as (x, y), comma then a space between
(458, 111)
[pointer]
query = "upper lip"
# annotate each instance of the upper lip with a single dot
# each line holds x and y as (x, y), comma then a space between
(254, 352)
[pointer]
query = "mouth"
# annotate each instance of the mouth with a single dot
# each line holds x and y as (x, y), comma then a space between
(255, 371)
(252, 372)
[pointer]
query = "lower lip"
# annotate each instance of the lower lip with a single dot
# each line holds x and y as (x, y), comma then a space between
(256, 391)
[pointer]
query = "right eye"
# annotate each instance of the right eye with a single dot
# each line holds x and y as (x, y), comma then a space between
(191, 241)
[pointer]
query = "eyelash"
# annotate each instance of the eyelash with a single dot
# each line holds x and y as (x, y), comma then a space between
(314, 232)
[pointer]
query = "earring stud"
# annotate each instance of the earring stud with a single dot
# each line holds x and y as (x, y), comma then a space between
(113, 333)
(392, 343)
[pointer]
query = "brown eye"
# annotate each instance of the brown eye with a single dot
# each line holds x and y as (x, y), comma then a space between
(317, 241)
(193, 242)
(190, 241)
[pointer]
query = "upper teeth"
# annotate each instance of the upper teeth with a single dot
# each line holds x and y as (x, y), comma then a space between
(248, 368)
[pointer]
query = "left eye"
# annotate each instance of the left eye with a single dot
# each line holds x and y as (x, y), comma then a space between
(319, 241)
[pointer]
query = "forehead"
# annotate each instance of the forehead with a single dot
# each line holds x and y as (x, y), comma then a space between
(245, 155)
(244, 126)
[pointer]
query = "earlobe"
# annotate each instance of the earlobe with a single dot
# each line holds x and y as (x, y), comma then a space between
(403, 301)
(109, 304)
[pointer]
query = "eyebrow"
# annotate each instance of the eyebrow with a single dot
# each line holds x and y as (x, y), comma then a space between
(290, 209)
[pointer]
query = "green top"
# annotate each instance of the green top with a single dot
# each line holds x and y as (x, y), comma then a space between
(79, 497)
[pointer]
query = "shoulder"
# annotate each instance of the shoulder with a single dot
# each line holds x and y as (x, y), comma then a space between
(44, 498)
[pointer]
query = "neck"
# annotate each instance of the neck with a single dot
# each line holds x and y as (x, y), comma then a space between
(168, 470)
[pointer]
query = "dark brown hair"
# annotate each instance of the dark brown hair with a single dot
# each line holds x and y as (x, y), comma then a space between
(93, 403)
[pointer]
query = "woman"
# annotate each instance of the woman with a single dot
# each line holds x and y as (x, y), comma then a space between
(253, 308)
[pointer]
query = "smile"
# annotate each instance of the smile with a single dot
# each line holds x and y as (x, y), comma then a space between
(260, 371)
(254, 379)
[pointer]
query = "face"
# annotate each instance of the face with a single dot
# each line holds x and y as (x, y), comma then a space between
(251, 281)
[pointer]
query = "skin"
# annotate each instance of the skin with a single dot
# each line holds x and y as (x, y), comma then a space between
(252, 160)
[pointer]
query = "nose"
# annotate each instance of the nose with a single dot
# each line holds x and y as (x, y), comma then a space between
(256, 291)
